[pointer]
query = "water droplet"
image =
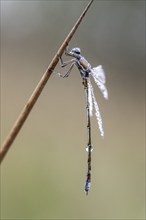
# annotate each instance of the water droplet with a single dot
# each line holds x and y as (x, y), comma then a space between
(87, 149)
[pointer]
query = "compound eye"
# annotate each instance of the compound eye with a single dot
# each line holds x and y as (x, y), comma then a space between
(76, 50)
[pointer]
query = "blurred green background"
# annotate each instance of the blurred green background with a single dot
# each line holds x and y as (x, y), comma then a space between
(43, 174)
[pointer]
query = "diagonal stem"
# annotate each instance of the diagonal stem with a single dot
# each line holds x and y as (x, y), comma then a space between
(33, 98)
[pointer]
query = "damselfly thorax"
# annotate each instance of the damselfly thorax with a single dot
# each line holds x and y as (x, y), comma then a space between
(99, 77)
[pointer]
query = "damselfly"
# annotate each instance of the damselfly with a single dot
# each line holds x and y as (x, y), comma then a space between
(99, 77)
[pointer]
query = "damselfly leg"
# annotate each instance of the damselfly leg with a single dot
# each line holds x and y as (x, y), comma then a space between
(67, 73)
(63, 64)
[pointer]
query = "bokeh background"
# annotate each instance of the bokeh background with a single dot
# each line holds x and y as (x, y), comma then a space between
(43, 174)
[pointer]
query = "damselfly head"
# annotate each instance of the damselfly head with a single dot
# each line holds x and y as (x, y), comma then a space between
(76, 51)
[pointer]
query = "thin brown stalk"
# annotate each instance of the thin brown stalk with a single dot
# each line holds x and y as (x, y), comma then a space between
(33, 98)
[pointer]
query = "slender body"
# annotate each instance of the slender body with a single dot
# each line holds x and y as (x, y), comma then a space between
(89, 145)
(99, 78)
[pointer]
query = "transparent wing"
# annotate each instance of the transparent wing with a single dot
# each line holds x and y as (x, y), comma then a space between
(97, 111)
(90, 99)
(100, 79)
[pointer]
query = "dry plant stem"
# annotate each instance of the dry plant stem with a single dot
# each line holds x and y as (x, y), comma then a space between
(29, 105)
